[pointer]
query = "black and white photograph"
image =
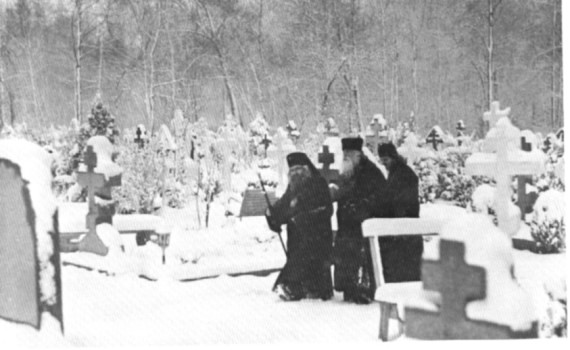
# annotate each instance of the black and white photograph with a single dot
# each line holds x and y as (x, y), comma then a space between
(191, 173)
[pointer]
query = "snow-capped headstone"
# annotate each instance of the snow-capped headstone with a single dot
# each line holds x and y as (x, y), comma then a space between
(435, 137)
(30, 277)
(501, 159)
(471, 292)
(493, 116)
(167, 142)
(331, 128)
(254, 202)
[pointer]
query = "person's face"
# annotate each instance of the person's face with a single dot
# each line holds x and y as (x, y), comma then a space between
(388, 162)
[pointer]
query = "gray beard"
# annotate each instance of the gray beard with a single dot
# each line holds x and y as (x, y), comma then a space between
(297, 182)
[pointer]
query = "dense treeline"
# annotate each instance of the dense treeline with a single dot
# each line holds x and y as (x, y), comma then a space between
(305, 60)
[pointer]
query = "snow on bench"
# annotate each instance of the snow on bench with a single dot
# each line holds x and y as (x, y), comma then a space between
(392, 295)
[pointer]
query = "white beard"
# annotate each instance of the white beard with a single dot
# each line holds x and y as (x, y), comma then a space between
(347, 168)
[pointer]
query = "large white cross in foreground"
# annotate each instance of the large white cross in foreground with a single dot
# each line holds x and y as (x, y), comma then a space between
(495, 114)
(502, 159)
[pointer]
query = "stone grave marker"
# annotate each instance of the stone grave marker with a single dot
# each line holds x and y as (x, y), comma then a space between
(30, 273)
(493, 116)
(470, 288)
(326, 159)
(435, 137)
(501, 159)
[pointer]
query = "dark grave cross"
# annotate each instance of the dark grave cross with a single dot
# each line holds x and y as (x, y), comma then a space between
(458, 283)
(547, 145)
(326, 159)
(138, 139)
(265, 142)
(525, 201)
(434, 139)
(93, 182)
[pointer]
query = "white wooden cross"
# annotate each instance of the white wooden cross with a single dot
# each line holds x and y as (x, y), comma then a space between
(495, 114)
(283, 146)
(503, 160)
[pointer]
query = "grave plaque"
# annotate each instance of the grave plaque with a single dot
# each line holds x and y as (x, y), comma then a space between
(254, 203)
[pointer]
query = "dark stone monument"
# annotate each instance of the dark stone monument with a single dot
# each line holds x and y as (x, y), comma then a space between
(22, 299)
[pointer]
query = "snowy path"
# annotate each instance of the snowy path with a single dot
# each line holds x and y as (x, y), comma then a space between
(117, 311)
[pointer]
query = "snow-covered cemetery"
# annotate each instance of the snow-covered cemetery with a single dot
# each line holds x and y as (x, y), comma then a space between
(149, 210)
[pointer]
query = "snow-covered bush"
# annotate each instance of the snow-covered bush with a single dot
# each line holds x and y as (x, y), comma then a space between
(443, 177)
(258, 130)
(554, 321)
(547, 226)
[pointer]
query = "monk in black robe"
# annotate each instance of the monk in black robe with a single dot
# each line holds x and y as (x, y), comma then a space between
(361, 183)
(306, 208)
(401, 256)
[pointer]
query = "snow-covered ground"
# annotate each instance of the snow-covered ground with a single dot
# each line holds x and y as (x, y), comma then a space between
(126, 310)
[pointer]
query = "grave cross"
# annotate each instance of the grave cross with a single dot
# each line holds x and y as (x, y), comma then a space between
(502, 142)
(139, 140)
(326, 159)
(92, 181)
(560, 134)
(265, 142)
(434, 138)
(495, 114)
(457, 283)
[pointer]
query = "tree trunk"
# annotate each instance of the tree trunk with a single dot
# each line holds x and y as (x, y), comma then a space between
(35, 96)
(490, 68)
(3, 97)
(100, 68)
(78, 61)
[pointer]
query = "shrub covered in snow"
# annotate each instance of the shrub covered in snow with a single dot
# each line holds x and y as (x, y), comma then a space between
(547, 226)
(443, 177)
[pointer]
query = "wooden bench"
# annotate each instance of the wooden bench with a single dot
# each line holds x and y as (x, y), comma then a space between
(392, 295)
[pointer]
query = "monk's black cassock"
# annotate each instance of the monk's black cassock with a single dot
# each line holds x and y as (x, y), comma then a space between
(401, 256)
(358, 199)
(307, 213)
